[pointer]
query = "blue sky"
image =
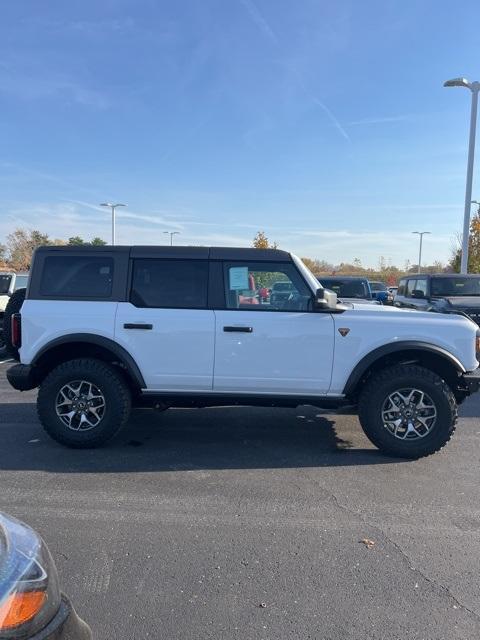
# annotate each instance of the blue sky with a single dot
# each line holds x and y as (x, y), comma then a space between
(323, 123)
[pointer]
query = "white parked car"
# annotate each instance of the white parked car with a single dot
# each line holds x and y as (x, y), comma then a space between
(106, 328)
(10, 282)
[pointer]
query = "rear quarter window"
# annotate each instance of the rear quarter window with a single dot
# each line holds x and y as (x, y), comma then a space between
(77, 277)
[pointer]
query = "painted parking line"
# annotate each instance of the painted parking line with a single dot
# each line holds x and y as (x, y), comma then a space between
(5, 361)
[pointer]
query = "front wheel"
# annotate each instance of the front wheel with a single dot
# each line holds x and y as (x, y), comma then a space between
(407, 411)
(83, 403)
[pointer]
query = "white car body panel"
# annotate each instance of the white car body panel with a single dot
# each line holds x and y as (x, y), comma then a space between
(286, 352)
(177, 354)
(46, 320)
(3, 302)
(371, 327)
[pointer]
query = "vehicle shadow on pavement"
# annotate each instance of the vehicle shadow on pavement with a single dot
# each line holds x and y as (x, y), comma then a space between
(193, 439)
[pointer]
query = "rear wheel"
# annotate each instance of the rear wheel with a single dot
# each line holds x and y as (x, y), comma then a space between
(408, 411)
(83, 403)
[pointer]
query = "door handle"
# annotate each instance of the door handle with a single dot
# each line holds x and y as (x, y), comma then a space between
(137, 325)
(239, 329)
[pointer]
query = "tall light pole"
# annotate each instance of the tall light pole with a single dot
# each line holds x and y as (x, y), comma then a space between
(113, 207)
(171, 234)
(474, 88)
(421, 234)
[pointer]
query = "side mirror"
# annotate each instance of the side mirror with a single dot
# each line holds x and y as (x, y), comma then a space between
(324, 299)
(418, 293)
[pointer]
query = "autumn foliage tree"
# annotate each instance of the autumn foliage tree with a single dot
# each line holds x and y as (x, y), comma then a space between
(261, 241)
(473, 248)
(20, 247)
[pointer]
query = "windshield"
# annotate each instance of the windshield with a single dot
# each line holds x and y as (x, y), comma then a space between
(21, 281)
(347, 288)
(378, 286)
(455, 286)
(283, 286)
(5, 284)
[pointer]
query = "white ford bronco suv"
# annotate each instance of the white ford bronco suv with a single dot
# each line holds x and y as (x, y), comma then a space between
(103, 329)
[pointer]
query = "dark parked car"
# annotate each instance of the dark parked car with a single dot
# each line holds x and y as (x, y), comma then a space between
(31, 604)
(443, 292)
(349, 288)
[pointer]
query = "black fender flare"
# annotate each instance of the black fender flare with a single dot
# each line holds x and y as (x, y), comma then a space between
(90, 338)
(395, 347)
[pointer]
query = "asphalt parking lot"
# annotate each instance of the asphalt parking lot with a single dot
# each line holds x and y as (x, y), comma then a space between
(247, 523)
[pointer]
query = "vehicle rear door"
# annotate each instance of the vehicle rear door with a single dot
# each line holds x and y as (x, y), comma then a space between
(265, 347)
(166, 325)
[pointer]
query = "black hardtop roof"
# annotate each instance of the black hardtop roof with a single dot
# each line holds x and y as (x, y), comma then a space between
(178, 252)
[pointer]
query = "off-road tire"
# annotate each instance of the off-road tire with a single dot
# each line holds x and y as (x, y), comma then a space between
(402, 376)
(13, 306)
(113, 387)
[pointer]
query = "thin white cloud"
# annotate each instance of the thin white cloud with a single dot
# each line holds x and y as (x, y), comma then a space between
(333, 119)
(260, 20)
(32, 81)
(381, 120)
(267, 30)
(319, 103)
(67, 219)
(158, 219)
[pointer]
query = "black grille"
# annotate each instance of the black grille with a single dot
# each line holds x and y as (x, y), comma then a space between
(474, 314)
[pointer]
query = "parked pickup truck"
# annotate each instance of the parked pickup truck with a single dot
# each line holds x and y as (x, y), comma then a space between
(103, 329)
(443, 292)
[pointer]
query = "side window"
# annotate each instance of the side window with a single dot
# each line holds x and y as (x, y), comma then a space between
(422, 286)
(170, 284)
(77, 277)
(265, 287)
(401, 288)
(5, 281)
(410, 288)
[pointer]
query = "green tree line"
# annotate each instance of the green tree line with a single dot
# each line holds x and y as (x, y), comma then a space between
(16, 253)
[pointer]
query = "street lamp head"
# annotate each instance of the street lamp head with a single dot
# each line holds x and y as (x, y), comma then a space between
(110, 204)
(457, 82)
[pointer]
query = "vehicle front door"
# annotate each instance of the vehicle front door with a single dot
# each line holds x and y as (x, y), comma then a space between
(419, 298)
(166, 325)
(270, 345)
